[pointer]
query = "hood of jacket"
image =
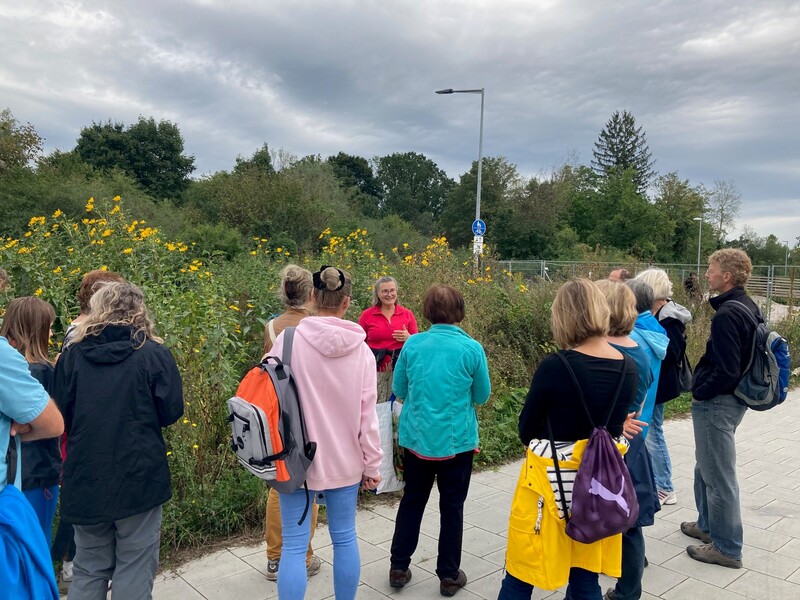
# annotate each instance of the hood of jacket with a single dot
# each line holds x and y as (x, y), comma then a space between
(112, 345)
(673, 310)
(331, 336)
(648, 333)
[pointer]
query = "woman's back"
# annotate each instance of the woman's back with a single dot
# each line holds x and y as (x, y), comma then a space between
(553, 393)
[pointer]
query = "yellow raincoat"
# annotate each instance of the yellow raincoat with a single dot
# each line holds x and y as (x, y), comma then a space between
(541, 553)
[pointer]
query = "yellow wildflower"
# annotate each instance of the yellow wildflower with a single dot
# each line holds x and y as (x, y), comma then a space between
(233, 307)
(106, 233)
(116, 198)
(114, 210)
(58, 213)
(127, 250)
(104, 268)
(57, 270)
(38, 292)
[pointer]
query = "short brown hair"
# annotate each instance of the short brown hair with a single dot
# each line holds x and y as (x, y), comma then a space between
(621, 306)
(733, 261)
(579, 312)
(443, 304)
(88, 286)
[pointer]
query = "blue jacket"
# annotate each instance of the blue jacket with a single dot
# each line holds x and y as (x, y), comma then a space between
(441, 375)
(652, 338)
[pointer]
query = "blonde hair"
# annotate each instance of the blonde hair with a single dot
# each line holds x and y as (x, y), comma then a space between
(735, 262)
(296, 285)
(27, 327)
(376, 297)
(659, 281)
(579, 312)
(331, 291)
(621, 306)
(117, 303)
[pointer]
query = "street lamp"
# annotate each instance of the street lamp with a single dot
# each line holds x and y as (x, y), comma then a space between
(699, 238)
(477, 240)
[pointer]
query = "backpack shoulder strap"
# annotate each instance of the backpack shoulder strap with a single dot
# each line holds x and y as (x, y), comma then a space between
(625, 359)
(271, 329)
(577, 386)
(288, 339)
(741, 307)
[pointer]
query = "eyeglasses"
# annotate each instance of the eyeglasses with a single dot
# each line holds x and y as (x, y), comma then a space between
(388, 292)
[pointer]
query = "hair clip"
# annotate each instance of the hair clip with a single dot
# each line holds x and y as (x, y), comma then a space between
(321, 285)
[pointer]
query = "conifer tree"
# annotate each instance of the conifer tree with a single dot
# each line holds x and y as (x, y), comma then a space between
(620, 146)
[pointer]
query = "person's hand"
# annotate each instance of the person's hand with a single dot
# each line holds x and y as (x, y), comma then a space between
(401, 335)
(19, 428)
(632, 426)
(370, 483)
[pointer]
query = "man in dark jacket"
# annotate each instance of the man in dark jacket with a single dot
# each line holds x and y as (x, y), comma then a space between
(716, 413)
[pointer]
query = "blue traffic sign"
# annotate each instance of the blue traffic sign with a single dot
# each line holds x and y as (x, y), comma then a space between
(478, 227)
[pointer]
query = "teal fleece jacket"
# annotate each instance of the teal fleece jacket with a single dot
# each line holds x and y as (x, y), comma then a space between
(441, 376)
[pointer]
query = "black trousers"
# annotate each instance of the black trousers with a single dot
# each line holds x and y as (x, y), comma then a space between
(452, 478)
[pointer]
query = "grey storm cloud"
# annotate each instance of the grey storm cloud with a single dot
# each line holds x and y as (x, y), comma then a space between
(714, 84)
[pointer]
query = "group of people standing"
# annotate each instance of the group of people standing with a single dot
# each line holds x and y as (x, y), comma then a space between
(111, 390)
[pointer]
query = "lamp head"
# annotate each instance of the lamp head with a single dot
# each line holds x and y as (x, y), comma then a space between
(447, 91)
(697, 219)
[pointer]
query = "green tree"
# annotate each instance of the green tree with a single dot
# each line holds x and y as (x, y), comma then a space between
(679, 203)
(19, 144)
(355, 173)
(261, 161)
(412, 187)
(621, 146)
(722, 208)
(150, 152)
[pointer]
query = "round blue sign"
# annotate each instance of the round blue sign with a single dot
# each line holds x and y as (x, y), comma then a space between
(478, 227)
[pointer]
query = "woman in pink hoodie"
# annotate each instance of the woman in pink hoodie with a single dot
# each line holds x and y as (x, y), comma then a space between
(336, 383)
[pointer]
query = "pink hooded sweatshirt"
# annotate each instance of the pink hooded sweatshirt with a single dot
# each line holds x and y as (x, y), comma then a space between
(336, 382)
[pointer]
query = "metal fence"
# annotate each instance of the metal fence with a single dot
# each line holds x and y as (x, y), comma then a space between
(777, 284)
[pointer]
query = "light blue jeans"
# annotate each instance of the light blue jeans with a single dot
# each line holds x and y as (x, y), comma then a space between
(657, 447)
(716, 489)
(341, 506)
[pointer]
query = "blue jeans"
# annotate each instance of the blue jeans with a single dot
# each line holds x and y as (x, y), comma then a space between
(716, 489)
(583, 585)
(657, 447)
(44, 502)
(629, 585)
(341, 503)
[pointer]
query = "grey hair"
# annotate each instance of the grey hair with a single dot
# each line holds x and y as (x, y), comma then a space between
(658, 280)
(643, 292)
(296, 285)
(376, 297)
(117, 303)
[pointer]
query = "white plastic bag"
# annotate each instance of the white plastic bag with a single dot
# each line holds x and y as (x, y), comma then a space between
(389, 481)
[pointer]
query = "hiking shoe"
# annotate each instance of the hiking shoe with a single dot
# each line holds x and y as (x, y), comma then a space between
(691, 529)
(448, 586)
(272, 569)
(667, 498)
(66, 571)
(313, 566)
(399, 578)
(610, 594)
(707, 553)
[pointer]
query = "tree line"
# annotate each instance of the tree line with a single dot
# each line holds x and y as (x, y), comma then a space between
(613, 209)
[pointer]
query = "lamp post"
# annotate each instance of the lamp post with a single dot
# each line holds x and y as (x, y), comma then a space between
(477, 240)
(786, 264)
(699, 238)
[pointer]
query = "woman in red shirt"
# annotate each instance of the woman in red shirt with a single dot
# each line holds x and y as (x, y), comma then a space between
(388, 325)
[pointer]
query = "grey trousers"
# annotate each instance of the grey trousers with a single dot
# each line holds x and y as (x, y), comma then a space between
(125, 551)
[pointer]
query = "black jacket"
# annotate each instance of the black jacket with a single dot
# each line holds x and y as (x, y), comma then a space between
(41, 459)
(673, 318)
(728, 347)
(115, 399)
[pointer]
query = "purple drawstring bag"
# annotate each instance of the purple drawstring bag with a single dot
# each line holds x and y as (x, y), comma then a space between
(604, 500)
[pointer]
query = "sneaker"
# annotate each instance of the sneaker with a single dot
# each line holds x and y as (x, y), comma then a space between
(691, 529)
(667, 498)
(707, 553)
(272, 569)
(66, 571)
(448, 586)
(610, 594)
(313, 566)
(399, 578)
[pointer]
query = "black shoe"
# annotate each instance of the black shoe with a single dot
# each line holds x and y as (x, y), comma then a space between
(399, 578)
(610, 594)
(448, 586)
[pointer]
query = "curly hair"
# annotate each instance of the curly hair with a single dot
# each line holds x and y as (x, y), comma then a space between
(117, 303)
(735, 262)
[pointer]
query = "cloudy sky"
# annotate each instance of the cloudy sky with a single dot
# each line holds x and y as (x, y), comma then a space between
(715, 84)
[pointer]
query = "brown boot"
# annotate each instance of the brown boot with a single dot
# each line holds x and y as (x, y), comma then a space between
(448, 586)
(399, 578)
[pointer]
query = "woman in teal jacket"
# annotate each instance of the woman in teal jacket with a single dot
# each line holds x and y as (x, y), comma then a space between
(441, 375)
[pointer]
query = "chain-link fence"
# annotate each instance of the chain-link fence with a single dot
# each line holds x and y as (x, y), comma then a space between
(777, 285)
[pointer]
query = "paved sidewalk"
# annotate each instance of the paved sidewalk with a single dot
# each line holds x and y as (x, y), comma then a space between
(768, 446)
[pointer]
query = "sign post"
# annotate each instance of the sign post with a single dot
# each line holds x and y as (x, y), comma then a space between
(478, 230)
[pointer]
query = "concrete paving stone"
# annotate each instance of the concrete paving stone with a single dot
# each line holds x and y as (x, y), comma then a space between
(692, 589)
(791, 549)
(376, 576)
(247, 584)
(431, 522)
(678, 516)
(763, 587)
(480, 542)
(787, 526)
(658, 551)
(322, 536)
(388, 511)
(476, 567)
(497, 558)
(504, 482)
(758, 518)
(755, 500)
(794, 577)
(487, 586)
(489, 519)
(712, 574)
(658, 580)
(425, 554)
(376, 530)
(212, 567)
(258, 562)
(241, 551)
(478, 490)
(500, 501)
(365, 592)
(768, 563)
(471, 506)
(752, 484)
(662, 529)
(765, 539)
(175, 587)
(321, 585)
